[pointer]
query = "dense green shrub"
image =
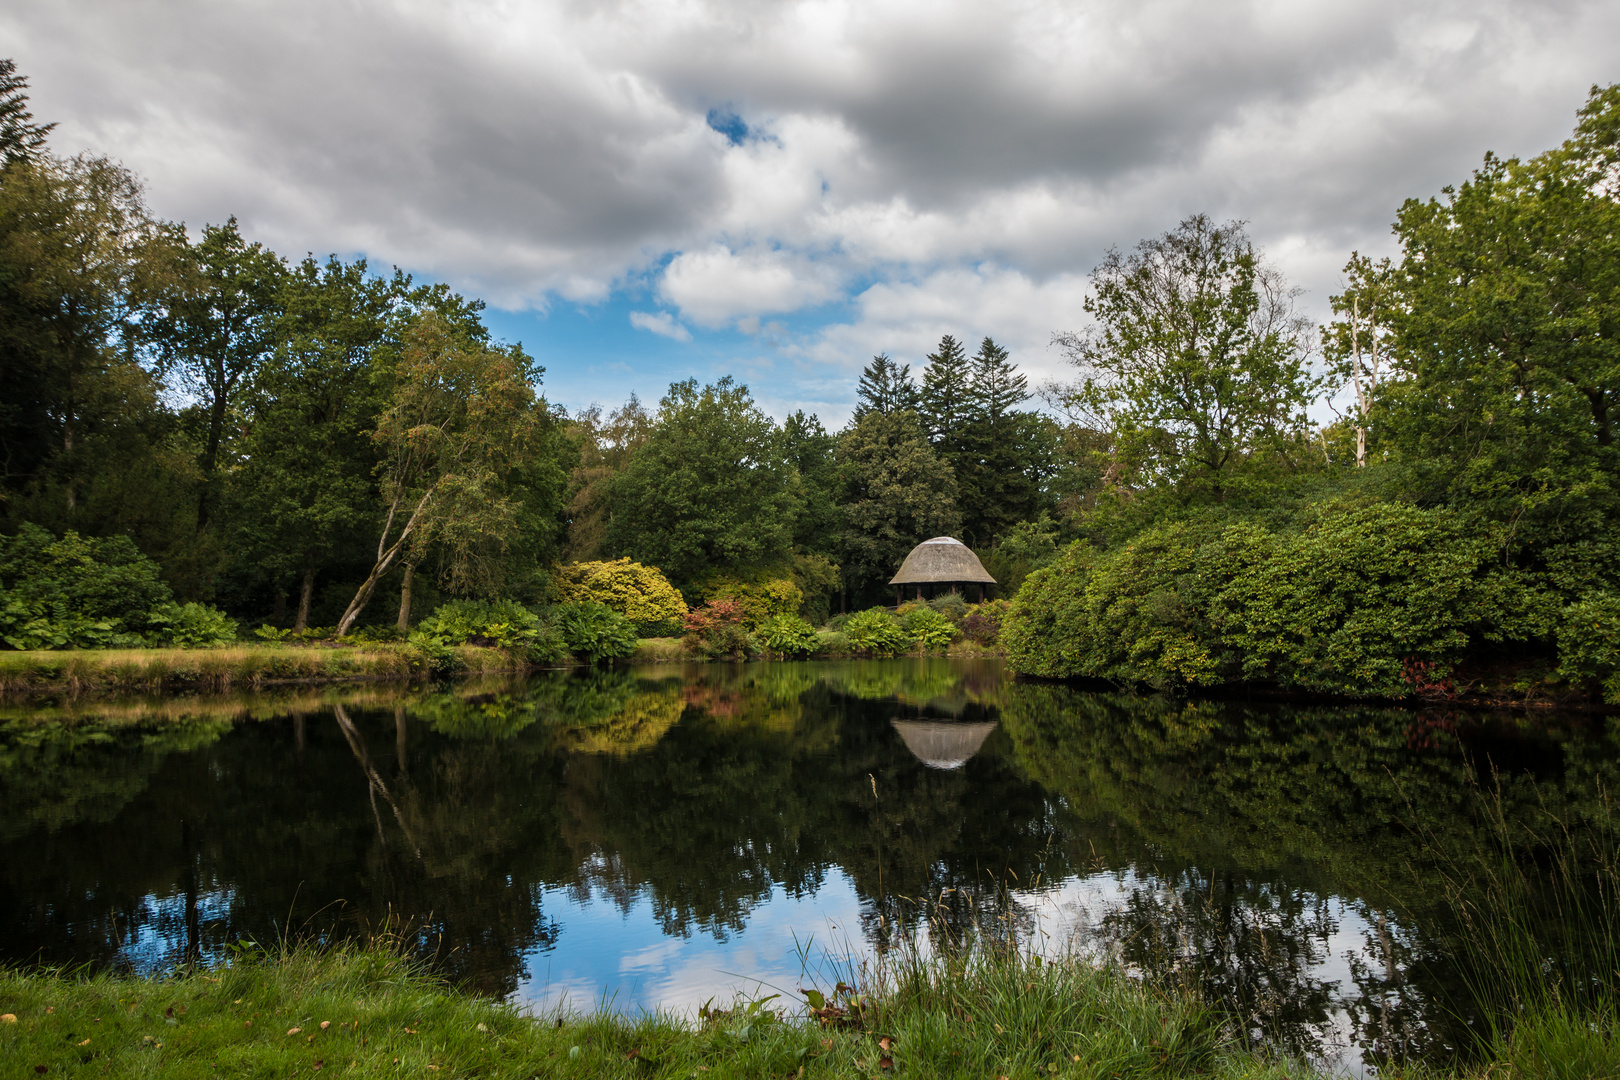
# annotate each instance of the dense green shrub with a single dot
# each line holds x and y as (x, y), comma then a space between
(951, 605)
(595, 632)
(89, 593)
(640, 593)
(831, 643)
(875, 631)
(1344, 605)
(1589, 643)
(503, 624)
(718, 630)
(190, 626)
(929, 628)
(788, 635)
(982, 623)
(758, 599)
(1341, 605)
(1125, 616)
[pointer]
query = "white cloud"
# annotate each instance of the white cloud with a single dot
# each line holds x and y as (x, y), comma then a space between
(661, 323)
(937, 165)
(715, 285)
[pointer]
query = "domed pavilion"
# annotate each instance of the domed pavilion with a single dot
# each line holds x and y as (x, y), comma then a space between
(943, 564)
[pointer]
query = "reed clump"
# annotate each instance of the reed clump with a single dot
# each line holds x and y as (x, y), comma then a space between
(236, 667)
(1537, 913)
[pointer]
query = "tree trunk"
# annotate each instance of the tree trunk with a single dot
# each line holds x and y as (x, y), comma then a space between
(399, 740)
(305, 594)
(385, 559)
(404, 623)
(216, 428)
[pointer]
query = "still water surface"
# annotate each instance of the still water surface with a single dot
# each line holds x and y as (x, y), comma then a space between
(656, 837)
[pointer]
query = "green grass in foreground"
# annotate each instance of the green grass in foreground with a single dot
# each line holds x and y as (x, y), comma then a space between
(369, 1013)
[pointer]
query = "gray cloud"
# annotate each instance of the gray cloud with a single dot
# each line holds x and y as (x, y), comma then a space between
(994, 151)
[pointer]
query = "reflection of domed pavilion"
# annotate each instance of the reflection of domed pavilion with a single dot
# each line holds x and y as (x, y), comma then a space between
(942, 561)
(941, 744)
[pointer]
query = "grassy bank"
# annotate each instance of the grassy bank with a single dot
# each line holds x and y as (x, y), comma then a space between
(368, 1013)
(236, 667)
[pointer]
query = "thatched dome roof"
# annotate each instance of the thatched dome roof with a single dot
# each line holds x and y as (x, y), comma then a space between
(942, 744)
(941, 559)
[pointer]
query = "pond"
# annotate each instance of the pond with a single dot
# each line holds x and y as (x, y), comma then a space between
(659, 836)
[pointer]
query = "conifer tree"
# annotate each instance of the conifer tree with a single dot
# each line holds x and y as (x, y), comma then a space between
(20, 138)
(997, 385)
(947, 396)
(885, 388)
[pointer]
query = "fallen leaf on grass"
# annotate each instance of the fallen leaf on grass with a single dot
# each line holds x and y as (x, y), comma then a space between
(310, 1039)
(247, 1023)
(886, 1044)
(50, 1009)
(325, 1024)
(85, 1043)
(410, 1031)
(319, 1063)
(294, 1031)
(885, 1062)
(168, 1013)
(8, 1018)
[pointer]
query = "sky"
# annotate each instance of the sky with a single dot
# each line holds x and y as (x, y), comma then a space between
(651, 191)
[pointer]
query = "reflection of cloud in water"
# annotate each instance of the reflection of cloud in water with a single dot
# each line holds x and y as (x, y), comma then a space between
(941, 744)
(1084, 916)
(622, 956)
(625, 957)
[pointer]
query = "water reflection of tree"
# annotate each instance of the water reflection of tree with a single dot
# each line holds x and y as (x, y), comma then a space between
(1238, 940)
(1261, 804)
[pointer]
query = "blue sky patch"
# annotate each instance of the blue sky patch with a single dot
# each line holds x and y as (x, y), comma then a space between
(729, 124)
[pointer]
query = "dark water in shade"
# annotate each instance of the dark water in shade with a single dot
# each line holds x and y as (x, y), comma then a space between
(660, 836)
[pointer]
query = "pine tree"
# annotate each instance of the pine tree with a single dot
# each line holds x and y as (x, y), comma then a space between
(1002, 452)
(885, 388)
(997, 385)
(947, 396)
(20, 138)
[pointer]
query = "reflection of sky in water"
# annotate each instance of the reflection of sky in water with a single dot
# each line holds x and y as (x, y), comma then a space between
(155, 935)
(622, 957)
(625, 958)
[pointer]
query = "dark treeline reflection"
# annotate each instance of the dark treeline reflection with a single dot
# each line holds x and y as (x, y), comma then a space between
(1283, 858)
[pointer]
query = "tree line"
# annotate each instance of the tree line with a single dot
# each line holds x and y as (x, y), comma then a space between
(294, 440)
(290, 439)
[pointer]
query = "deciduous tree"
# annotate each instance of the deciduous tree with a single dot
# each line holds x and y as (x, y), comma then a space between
(456, 426)
(896, 494)
(709, 491)
(1198, 360)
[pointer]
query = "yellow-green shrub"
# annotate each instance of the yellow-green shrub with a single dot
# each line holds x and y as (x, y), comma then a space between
(759, 600)
(640, 593)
